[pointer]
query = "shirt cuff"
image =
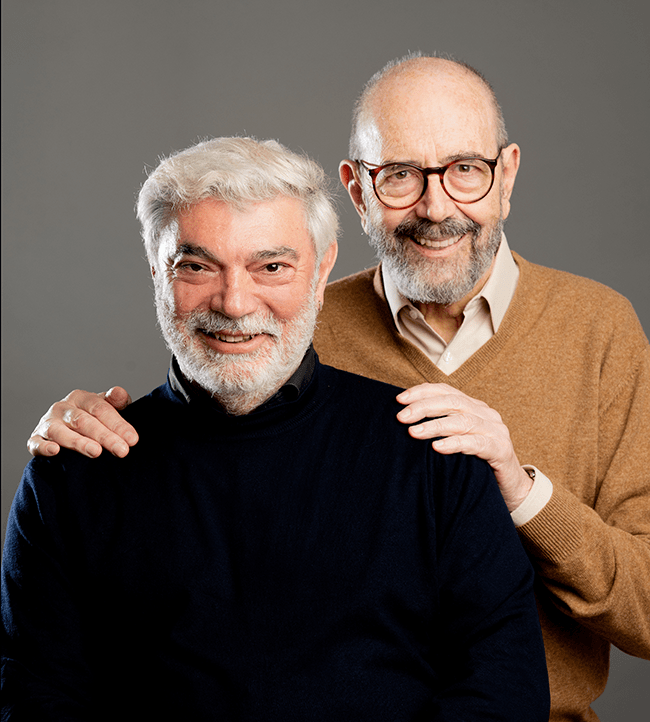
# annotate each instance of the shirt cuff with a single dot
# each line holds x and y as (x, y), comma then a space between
(536, 500)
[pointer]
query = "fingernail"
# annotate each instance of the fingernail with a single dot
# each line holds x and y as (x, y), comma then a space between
(51, 449)
(93, 451)
(417, 429)
(130, 438)
(405, 414)
(120, 449)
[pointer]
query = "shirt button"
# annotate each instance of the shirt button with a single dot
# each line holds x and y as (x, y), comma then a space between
(447, 357)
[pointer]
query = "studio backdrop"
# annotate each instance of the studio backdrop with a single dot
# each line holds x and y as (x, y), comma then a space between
(94, 92)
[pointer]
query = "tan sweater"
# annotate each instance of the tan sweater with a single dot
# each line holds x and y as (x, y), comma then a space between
(569, 372)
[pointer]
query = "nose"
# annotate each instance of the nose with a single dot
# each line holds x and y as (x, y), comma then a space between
(435, 204)
(234, 295)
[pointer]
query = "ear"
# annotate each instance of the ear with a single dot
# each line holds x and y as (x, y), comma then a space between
(348, 173)
(326, 266)
(510, 157)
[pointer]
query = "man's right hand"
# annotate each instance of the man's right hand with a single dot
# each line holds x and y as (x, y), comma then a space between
(85, 422)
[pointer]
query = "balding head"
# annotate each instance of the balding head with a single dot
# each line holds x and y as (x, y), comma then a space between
(411, 82)
(420, 117)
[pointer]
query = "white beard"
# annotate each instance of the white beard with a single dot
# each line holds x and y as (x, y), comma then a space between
(427, 280)
(240, 382)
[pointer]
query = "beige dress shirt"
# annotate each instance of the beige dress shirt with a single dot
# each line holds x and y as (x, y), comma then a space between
(481, 320)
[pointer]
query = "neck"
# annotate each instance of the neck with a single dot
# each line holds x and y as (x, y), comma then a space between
(444, 320)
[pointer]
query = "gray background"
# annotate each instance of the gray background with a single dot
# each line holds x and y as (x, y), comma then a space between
(94, 92)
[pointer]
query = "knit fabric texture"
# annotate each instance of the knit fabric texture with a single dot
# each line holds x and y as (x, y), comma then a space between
(309, 561)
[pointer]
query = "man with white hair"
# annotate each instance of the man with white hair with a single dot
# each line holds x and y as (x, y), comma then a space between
(276, 546)
(543, 374)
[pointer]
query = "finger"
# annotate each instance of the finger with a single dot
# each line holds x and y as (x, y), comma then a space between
(464, 434)
(453, 402)
(101, 427)
(99, 420)
(421, 391)
(61, 436)
(117, 397)
(471, 444)
(436, 406)
(455, 425)
(38, 446)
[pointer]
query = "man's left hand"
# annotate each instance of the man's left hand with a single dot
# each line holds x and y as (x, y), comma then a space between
(468, 426)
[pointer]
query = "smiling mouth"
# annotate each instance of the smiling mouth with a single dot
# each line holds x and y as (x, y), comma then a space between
(228, 338)
(427, 243)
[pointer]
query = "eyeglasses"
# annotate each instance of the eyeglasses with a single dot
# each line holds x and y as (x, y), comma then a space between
(401, 185)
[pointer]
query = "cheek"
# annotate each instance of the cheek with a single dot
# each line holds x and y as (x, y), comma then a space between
(287, 302)
(384, 218)
(186, 297)
(285, 309)
(485, 213)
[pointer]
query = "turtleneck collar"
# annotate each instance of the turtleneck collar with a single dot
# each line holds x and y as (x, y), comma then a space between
(290, 390)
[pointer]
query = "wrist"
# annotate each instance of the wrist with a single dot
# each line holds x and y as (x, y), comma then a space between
(524, 486)
(537, 498)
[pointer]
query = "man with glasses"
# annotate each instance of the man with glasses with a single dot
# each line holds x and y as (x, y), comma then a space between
(544, 374)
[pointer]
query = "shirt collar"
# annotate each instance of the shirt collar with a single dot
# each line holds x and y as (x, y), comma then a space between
(497, 292)
(290, 390)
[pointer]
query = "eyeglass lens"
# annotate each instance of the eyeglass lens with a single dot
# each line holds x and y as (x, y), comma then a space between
(401, 185)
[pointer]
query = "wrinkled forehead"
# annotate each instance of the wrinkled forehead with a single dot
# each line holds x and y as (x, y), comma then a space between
(417, 116)
(252, 230)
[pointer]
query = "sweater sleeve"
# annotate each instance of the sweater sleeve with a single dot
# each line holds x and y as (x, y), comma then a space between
(45, 674)
(491, 647)
(596, 561)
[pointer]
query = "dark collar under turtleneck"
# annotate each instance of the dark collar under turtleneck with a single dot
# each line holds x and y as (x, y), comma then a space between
(290, 390)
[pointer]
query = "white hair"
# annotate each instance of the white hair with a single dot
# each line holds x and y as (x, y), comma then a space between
(238, 171)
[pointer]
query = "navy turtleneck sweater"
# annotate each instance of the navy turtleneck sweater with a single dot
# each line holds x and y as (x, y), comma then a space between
(307, 561)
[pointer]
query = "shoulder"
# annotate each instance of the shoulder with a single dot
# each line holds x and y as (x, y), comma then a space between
(354, 292)
(362, 280)
(568, 304)
(359, 396)
(364, 418)
(353, 390)
(355, 326)
(149, 414)
(147, 408)
(573, 290)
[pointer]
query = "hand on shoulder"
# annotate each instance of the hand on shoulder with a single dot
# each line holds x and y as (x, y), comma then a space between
(85, 422)
(467, 426)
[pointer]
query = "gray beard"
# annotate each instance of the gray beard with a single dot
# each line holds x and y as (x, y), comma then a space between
(420, 279)
(240, 382)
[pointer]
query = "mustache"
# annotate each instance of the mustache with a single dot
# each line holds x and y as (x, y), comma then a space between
(424, 228)
(250, 325)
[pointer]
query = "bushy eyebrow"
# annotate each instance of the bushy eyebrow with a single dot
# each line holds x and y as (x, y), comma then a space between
(190, 249)
(281, 252)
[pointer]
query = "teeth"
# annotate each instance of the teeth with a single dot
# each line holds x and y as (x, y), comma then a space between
(435, 244)
(232, 339)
